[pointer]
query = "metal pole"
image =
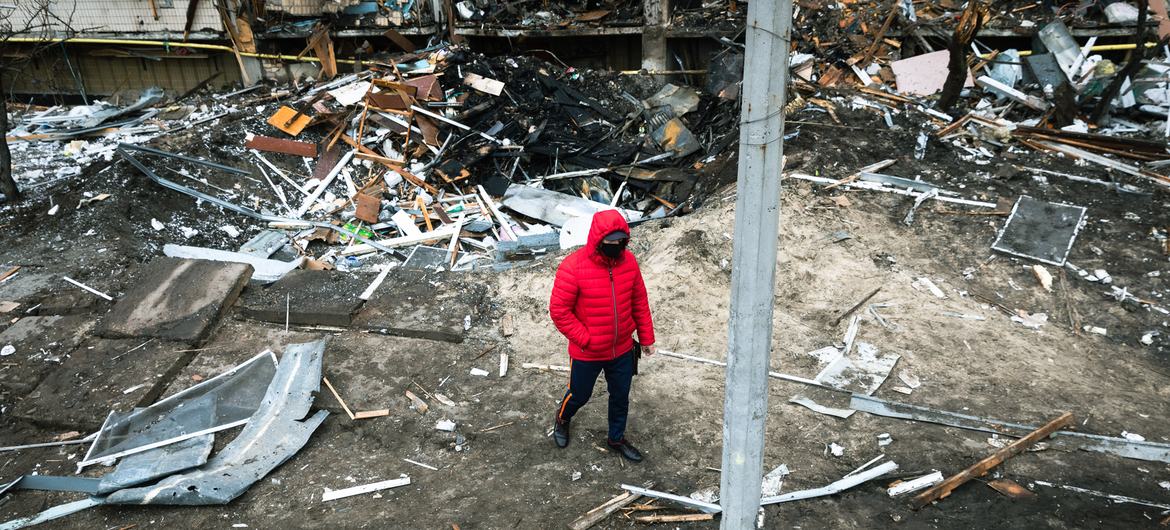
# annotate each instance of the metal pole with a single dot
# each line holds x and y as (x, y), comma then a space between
(757, 219)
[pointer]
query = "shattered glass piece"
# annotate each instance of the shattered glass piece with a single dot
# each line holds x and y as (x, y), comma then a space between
(1039, 230)
(219, 403)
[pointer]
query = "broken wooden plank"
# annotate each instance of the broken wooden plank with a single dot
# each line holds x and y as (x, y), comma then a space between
(442, 232)
(981, 468)
(545, 367)
(282, 145)
(399, 40)
(367, 414)
(419, 404)
(352, 415)
(867, 169)
(331, 495)
(8, 273)
(858, 305)
(507, 325)
(675, 518)
(705, 507)
(599, 513)
(337, 397)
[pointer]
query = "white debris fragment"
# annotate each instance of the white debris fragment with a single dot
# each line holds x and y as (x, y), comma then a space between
(156, 224)
(188, 232)
(479, 372)
(910, 486)
(53, 210)
(884, 439)
(575, 476)
(7, 350)
(902, 390)
(774, 481)
(133, 388)
(925, 282)
(1165, 484)
(445, 425)
(835, 450)
(1148, 338)
(909, 379)
(709, 495)
(466, 322)
(1133, 437)
(1031, 320)
(1096, 330)
(231, 231)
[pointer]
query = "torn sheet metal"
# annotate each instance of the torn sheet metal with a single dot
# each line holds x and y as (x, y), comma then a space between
(125, 149)
(85, 485)
(148, 466)
(834, 488)
(680, 99)
(275, 433)
(1149, 451)
(863, 372)
(265, 270)
(556, 208)
(222, 402)
(264, 244)
(55, 512)
(816, 407)
(1040, 230)
(705, 507)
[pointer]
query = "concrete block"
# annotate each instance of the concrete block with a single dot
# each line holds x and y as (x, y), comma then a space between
(176, 299)
(408, 305)
(103, 375)
(313, 298)
(42, 343)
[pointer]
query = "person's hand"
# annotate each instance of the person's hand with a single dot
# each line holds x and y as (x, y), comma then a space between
(650, 350)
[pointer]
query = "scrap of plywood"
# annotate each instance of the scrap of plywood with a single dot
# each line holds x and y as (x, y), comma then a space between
(288, 120)
(483, 84)
(924, 75)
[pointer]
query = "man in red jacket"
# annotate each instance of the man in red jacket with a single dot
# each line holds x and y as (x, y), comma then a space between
(598, 301)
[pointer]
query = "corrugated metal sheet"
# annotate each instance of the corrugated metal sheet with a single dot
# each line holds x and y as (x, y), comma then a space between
(104, 75)
(122, 16)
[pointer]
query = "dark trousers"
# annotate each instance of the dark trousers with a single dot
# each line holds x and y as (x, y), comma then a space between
(619, 373)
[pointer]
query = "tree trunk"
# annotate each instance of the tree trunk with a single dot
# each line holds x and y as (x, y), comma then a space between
(7, 184)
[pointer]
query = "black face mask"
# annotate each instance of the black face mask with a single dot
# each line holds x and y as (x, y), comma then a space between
(613, 251)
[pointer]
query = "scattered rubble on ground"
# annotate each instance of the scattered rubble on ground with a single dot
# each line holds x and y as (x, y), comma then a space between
(381, 208)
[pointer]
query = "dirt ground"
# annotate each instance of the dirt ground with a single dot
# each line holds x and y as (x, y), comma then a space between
(500, 470)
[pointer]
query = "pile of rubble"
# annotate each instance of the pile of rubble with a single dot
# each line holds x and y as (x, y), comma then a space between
(441, 159)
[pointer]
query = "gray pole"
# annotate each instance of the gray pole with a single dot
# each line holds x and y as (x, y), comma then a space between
(757, 219)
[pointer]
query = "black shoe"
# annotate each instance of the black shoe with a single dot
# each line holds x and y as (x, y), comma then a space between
(561, 433)
(627, 450)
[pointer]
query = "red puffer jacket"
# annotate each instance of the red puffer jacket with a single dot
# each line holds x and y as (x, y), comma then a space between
(597, 302)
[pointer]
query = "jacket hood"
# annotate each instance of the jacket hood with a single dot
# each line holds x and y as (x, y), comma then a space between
(605, 222)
